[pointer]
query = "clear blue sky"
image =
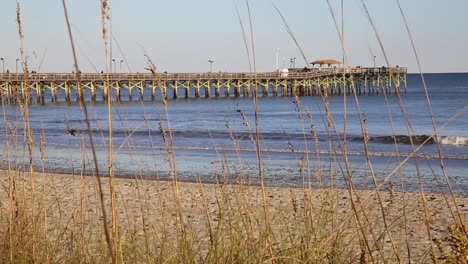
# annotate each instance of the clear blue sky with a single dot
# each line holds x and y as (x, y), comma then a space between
(182, 35)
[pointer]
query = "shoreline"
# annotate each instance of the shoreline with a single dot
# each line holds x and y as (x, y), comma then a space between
(231, 181)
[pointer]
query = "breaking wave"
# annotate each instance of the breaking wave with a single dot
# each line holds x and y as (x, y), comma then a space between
(418, 139)
(403, 139)
(453, 140)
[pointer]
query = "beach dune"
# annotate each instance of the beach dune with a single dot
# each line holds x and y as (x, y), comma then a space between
(168, 220)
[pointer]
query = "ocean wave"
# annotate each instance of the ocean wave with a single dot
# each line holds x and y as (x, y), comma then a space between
(272, 135)
(453, 140)
(418, 139)
(403, 139)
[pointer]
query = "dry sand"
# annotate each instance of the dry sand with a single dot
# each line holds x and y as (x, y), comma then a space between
(149, 208)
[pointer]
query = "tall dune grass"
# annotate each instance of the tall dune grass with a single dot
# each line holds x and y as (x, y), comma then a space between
(46, 217)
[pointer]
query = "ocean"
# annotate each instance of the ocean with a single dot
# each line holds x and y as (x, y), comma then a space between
(213, 138)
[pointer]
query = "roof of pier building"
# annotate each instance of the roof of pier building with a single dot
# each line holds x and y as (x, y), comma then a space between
(329, 62)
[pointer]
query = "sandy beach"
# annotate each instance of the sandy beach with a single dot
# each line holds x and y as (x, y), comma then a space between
(152, 214)
(156, 212)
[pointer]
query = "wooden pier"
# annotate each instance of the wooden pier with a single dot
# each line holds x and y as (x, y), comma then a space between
(43, 87)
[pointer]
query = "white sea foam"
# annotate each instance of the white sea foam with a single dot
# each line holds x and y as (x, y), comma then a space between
(453, 140)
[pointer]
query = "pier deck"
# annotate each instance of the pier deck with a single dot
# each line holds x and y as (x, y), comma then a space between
(330, 81)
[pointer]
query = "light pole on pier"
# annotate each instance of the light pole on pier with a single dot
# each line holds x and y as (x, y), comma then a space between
(113, 62)
(121, 65)
(294, 62)
(17, 65)
(3, 63)
(277, 55)
(290, 62)
(211, 65)
(374, 61)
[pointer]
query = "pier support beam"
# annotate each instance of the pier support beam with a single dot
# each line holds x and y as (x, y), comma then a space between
(130, 93)
(207, 92)
(217, 88)
(53, 95)
(174, 92)
(294, 89)
(275, 88)
(226, 90)
(197, 91)
(164, 93)
(67, 92)
(141, 94)
(265, 91)
(39, 93)
(106, 90)
(93, 92)
(153, 91)
(79, 92)
(236, 90)
(246, 90)
(118, 95)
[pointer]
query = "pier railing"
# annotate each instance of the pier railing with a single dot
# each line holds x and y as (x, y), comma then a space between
(291, 74)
